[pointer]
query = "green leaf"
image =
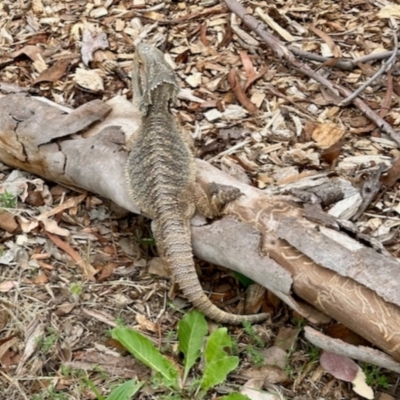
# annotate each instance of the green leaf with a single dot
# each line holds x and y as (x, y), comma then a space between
(191, 332)
(144, 350)
(243, 279)
(125, 391)
(218, 363)
(94, 389)
(235, 396)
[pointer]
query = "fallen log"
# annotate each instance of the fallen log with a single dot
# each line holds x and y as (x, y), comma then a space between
(317, 271)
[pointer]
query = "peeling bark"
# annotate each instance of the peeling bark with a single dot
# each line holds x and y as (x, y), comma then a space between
(264, 237)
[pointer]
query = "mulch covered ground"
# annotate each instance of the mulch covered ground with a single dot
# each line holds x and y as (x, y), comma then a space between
(251, 114)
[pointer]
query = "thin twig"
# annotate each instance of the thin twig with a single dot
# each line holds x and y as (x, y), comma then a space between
(346, 65)
(231, 150)
(15, 384)
(385, 67)
(283, 52)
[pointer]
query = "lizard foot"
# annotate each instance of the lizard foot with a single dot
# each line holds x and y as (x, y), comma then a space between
(223, 194)
(211, 205)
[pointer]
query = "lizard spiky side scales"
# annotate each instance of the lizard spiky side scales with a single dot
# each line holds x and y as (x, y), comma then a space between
(161, 175)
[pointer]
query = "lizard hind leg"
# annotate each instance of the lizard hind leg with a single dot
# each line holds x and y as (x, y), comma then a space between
(212, 205)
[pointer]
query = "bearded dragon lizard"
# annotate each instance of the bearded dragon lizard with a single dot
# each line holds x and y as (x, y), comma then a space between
(160, 173)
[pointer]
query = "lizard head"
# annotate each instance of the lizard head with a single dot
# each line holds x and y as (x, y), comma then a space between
(150, 70)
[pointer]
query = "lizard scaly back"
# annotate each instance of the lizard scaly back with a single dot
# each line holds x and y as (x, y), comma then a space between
(161, 173)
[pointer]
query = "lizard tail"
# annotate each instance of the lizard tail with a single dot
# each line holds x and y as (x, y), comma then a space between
(178, 255)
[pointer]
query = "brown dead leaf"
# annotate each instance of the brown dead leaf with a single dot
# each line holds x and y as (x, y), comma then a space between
(227, 37)
(335, 50)
(40, 279)
(286, 338)
(40, 256)
(64, 309)
(46, 266)
(262, 72)
(251, 74)
(332, 153)
(239, 93)
(8, 338)
(365, 129)
(203, 35)
(335, 25)
(51, 226)
(247, 65)
(392, 175)
(276, 356)
(8, 222)
(222, 292)
(27, 225)
(308, 130)
(107, 271)
(33, 52)
(269, 373)
(6, 344)
(327, 134)
(340, 331)
(53, 73)
(87, 268)
(182, 58)
(34, 198)
(366, 68)
(115, 344)
(10, 359)
(157, 267)
(6, 286)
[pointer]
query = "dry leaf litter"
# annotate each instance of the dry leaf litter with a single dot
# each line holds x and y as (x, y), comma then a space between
(250, 114)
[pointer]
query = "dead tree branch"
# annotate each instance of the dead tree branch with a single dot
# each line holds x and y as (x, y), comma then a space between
(345, 65)
(387, 65)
